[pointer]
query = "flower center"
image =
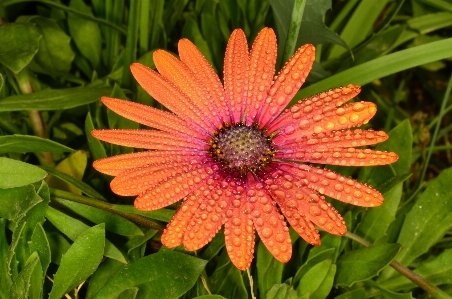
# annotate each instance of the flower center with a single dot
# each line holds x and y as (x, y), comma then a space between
(242, 148)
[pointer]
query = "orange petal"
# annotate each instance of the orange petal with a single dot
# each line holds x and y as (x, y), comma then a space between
(262, 68)
(174, 233)
(288, 82)
(269, 223)
(181, 76)
(308, 108)
(175, 187)
(148, 139)
(149, 116)
(168, 95)
(335, 139)
(208, 219)
(236, 68)
(340, 156)
(120, 164)
(204, 73)
(239, 232)
(335, 185)
(330, 119)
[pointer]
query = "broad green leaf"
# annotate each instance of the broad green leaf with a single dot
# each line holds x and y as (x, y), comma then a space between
(129, 293)
(328, 241)
(365, 263)
(113, 222)
(381, 67)
(5, 278)
(20, 43)
(210, 297)
(355, 294)
(364, 17)
(80, 261)
(227, 280)
(104, 273)
(393, 295)
(36, 279)
(281, 291)
(310, 263)
(15, 202)
(86, 34)
(327, 284)
(40, 244)
(55, 54)
(53, 99)
(96, 147)
(21, 285)
(314, 278)
(269, 269)
(428, 220)
(74, 166)
(78, 184)
(437, 271)
(400, 141)
(166, 274)
(58, 245)
(72, 228)
(15, 173)
(137, 245)
(27, 143)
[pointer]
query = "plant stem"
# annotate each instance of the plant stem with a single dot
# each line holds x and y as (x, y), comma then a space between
(416, 278)
(438, 125)
(143, 221)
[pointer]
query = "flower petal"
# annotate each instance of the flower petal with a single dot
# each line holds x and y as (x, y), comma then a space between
(236, 68)
(205, 74)
(262, 68)
(181, 76)
(168, 95)
(239, 232)
(308, 108)
(287, 83)
(269, 223)
(176, 187)
(150, 116)
(340, 156)
(120, 164)
(208, 218)
(173, 235)
(148, 139)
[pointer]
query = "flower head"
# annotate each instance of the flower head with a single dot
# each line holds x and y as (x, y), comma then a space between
(235, 156)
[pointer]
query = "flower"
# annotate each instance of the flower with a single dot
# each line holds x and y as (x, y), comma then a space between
(235, 156)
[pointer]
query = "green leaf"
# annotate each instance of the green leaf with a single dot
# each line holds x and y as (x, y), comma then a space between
(211, 250)
(16, 173)
(311, 262)
(365, 263)
(210, 297)
(15, 202)
(355, 294)
(400, 141)
(27, 143)
(55, 54)
(78, 184)
(328, 241)
(58, 244)
(166, 274)
(74, 166)
(437, 271)
(5, 278)
(192, 32)
(1, 81)
(381, 67)
(80, 261)
(96, 147)
(269, 269)
(430, 22)
(428, 220)
(314, 278)
(227, 280)
(21, 285)
(106, 271)
(72, 228)
(113, 222)
(164, 215)
(40, 244)
(86, 34)
(281, 291)
(53, 99)
(20, 43)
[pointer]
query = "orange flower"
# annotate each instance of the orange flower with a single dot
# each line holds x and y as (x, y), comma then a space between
(233, 157)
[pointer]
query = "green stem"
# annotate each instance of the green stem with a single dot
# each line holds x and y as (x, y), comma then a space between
(438, 125)
(416, 278)
(143, 221)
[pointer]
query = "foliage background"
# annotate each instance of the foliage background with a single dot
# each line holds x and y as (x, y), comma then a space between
(62, 231)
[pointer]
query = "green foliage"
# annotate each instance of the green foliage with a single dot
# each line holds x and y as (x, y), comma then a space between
(58, 59)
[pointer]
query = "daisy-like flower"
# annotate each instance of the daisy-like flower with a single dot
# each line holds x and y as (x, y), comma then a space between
(235, 156)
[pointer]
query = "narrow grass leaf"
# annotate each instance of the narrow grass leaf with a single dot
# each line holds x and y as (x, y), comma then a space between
(16, 173)
(30, 144)
(80, 261)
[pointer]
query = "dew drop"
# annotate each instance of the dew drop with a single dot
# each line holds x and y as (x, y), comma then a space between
(267, 232)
